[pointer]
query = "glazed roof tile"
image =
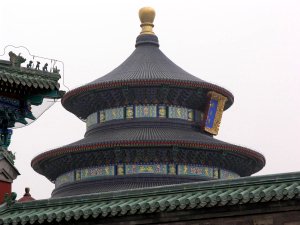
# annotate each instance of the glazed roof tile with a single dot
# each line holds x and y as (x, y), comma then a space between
(146, 66)
(30, 78)
(147, 136)
(147, 63)
(242, 191)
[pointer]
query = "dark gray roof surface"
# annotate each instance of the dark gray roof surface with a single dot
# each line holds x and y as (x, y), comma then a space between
(148, 134)
(146, 66)
(147, 62)
(117, 183)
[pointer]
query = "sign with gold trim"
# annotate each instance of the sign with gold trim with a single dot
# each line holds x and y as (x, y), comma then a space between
(214, 112)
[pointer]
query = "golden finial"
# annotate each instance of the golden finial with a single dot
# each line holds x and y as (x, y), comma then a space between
(147, 15)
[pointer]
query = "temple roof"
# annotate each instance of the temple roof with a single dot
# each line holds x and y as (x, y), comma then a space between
(277, 188)
(147, 66)
(145, 133)
(147, 62)
(153, 137)
(146, 77)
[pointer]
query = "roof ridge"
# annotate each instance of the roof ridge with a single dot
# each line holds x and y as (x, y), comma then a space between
(203, 186)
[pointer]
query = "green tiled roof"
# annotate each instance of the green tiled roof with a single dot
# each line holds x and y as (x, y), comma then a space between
(29, 77)
(278, 187)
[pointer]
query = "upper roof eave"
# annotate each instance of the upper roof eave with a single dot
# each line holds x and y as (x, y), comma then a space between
(146, 66)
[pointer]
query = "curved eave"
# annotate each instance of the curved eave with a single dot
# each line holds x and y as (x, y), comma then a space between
(30, 78)
(75, 94)
(89, 147)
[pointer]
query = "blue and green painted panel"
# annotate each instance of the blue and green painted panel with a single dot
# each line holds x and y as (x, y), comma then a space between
(225, 174)
(102, 116)
(124, 169)
(190, 115)
(91, 119)
(172, 169)
(121, 169)
(114, 114)
(97, 171)
(129, 112)
(162, 111)
(65, 178)
(145, 111)
(155, 168)
(195, 170)
(198, 116)
(178, 112)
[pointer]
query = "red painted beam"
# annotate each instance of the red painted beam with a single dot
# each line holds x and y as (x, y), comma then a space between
(5, 187)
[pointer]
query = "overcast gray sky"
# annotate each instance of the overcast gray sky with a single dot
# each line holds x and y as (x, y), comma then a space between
(252, 48)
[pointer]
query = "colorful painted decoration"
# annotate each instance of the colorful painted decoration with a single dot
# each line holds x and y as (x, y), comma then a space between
(145, 111)
(195, 170)
(97, 171)
(129, 112)
(214, 113)
(213, 105)
(65, 178)
(91, 119)
(178, 112)
(120, 170)
(162, 111)
(190, 115)
(77, 175)
(102, 116)
(216, 173)
(198, 117)
(225, 174)
(155, 168)
(123, 169)
(172, 169)
(114, 114)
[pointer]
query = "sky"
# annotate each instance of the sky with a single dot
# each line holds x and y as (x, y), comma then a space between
(251, 48)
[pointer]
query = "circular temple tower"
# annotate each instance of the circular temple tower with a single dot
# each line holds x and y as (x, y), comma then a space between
(149, 123)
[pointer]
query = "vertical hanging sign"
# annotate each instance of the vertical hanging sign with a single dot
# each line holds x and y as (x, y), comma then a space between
(214, 112)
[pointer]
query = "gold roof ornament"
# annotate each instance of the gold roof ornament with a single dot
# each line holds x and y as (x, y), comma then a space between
(147, 15)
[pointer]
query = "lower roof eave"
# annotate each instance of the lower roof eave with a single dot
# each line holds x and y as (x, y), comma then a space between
(241, 191)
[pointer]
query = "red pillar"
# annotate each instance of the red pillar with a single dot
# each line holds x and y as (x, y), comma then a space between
(5, 187)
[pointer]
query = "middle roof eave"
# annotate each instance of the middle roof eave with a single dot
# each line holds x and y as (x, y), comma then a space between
(149, 137)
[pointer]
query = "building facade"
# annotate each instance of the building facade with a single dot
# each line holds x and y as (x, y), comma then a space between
(149, 123)
(149, 155)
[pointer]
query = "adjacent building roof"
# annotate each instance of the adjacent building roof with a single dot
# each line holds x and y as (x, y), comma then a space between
(199, 195)
(27, 196)
(31, 78)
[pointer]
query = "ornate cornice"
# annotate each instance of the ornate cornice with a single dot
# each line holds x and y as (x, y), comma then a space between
(137, 83)
(81, 148)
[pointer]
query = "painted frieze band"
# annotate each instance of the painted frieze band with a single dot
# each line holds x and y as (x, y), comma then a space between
(130, 169)
(144, 111)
